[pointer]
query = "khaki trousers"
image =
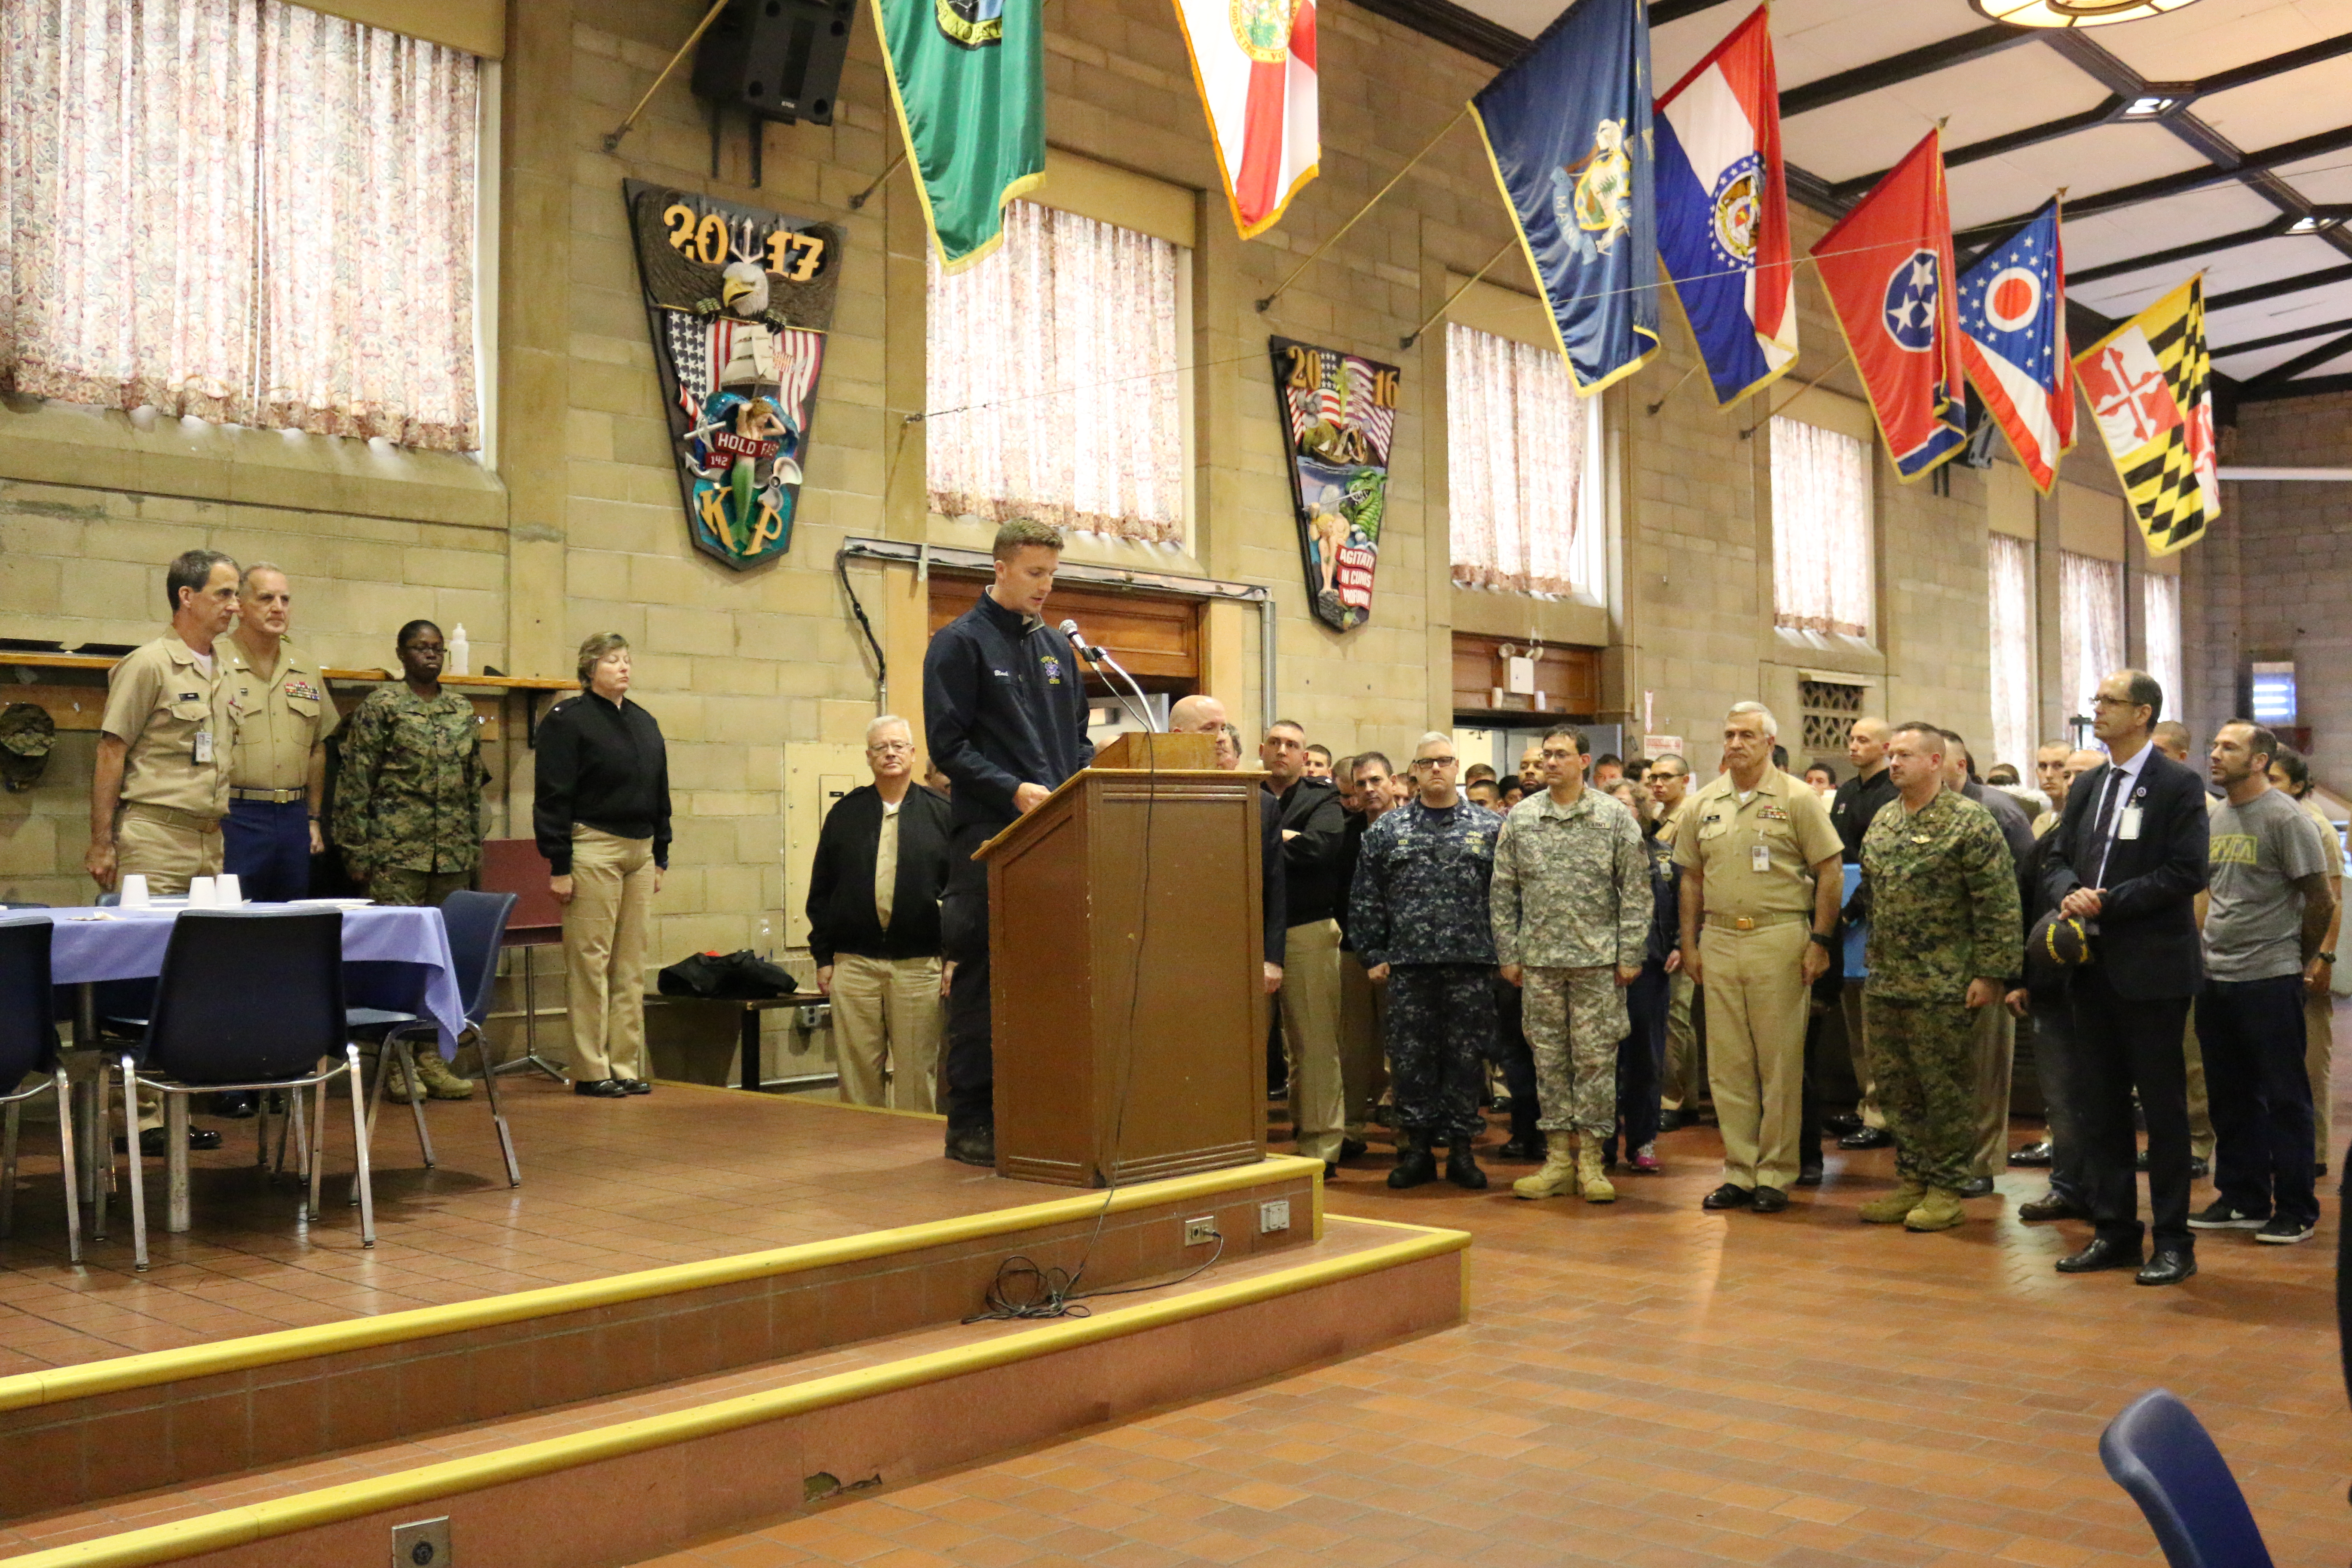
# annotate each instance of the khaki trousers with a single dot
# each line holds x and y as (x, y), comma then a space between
(1995, 1036)
(2200, 1113)
(1857, 1039)
(2319, 1062)
(605, 952)
(1756, 1013)
(1310, 1036)
(1363, 1065)
(164, 848)
(888, 1008)
(1683, 1089)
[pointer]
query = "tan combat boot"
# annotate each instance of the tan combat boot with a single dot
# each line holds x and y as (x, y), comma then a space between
(1895, 1206)
(1558, 1177)
(1939, 1210)
(439, 1081)
(1598, 1189)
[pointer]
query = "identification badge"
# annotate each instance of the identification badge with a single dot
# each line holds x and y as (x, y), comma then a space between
(2127, 822)
(204, 747)
(1759, 857)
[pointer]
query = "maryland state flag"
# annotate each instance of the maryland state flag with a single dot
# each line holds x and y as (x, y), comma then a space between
(1887, 267)
(2150, 386)
(968, 79)
(1255, 63)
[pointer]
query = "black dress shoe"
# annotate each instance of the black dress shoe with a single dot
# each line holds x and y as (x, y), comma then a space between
(1770, 1200)
(1675, 1120)
(2034, 1155)
(1838, 1126)
(2102, 1253)
(1810, 1176)
(2050, 1207)
(1415, 1165)
(150, 1141)
(1462, 1167)
(1729, 1196)
(1522, 1151)
(601, 1089)
(1867, 1138)
(634, 1085)
(1353, 1148)
(2171, 1266)
(236, 1104)
(972, 1146)
(1977, 1187)
(1330, 1169)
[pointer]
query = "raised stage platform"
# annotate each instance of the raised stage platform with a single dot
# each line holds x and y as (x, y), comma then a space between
(700, 1309)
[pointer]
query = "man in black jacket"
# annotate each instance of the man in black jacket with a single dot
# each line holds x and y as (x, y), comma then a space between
(1314, 841)
(874, 924)
(2129, 860)
(1005, 709)
(1851, 810)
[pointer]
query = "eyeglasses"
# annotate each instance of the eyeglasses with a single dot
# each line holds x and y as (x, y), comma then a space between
(891, 749)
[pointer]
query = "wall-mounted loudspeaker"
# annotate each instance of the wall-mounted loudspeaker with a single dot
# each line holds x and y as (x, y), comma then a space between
(776, 59)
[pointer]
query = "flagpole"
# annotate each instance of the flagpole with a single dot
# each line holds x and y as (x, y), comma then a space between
(1431, 146)
(1799, 392)
(613, 137)
(858, 201)
(1677, 386)
(1413, 336)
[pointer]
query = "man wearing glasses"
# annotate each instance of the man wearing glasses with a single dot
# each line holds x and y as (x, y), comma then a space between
(1419, 920)
(874, 924)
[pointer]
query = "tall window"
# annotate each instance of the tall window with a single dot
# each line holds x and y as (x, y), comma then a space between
(1055, 390)
(2010, 568)
(2090, 625)
(2161, 604)
(244, 210)
(1822, 555)
(1523, 490)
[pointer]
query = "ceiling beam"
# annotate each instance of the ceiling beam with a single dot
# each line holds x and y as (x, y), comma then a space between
(2189, 252)
(2253, 71)
(1941, 55)
(2320, 328)
(2185, 183)
(1994, 146)
(1447, 23)
(2277, 288)
(2317, 386)
(2333, 348)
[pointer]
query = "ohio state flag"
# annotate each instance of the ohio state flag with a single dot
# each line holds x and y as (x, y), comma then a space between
(1887, 267)
(1253, 61)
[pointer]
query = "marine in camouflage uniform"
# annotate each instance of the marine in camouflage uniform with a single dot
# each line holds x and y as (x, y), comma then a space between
(1944, 912)
(408, 800)
(1420, 905)
(1571, 903)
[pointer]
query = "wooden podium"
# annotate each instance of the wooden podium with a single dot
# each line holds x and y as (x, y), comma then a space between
(1126, 954)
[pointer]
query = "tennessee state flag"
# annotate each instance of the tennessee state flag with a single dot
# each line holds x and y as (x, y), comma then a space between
(1253, 61)
(1887, 269)
(1723, 212)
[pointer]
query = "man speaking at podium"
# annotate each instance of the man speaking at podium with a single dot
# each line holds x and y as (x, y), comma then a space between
(1004, 709)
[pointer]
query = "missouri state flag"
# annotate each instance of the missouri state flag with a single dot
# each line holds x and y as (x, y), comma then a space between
(2013, 342)
(1887, 269)
(2150, 386)
(1568, 129)
(1253, 61)
(1723, 212)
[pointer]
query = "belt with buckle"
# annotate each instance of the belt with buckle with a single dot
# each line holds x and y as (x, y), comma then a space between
(1750, 922)
(268, 796)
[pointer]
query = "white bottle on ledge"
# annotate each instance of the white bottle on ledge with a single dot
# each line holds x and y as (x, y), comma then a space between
(459, 660)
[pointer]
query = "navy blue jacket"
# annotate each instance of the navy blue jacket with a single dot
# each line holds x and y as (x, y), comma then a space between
(2147, 938)
(1003, 705)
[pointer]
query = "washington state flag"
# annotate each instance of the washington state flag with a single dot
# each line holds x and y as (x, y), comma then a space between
(968, 79)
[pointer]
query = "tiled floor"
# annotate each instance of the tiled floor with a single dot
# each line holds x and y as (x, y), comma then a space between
(1649, 1386)
(609, 1186)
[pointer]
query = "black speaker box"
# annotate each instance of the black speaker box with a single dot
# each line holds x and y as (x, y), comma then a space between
(776, 59)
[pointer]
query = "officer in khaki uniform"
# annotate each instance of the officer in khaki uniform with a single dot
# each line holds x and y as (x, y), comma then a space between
(1668, 781)
(160, 787)
(277, 761)
(1759, 867)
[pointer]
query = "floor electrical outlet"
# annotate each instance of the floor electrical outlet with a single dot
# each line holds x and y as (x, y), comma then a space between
(1201, 1232)
(1273, 1214)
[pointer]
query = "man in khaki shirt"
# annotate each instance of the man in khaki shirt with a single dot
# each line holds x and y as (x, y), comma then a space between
(277, 761)
(1668, 781)
(1759, 874)
(161, 785)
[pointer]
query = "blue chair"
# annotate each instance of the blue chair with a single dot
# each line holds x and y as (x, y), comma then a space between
(476, 923)
(28, 1044)
(248, 998)
(2158, 1451)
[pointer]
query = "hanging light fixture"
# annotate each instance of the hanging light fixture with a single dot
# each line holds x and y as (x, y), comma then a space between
(2073, 13)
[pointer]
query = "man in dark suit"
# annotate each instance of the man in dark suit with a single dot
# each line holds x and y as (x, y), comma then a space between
(2128, 859)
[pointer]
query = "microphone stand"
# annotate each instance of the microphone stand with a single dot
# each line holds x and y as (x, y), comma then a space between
(1142, 708)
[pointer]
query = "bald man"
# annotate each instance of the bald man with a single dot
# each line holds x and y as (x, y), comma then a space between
(1199, 714)
(1202, 714)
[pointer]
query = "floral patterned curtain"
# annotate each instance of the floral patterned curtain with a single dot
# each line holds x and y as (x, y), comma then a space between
(1517, 446)
(2090, 625)
(2160, 602)
(1054, 382)
(1822, 556)
(243, 210)
(2009, 569)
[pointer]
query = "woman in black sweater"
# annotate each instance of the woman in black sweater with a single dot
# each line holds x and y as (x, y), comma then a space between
(603, 819)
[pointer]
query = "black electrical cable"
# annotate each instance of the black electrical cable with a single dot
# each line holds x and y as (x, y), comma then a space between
(881, 665)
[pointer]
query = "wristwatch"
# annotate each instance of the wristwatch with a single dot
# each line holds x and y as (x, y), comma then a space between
(2325, 957)
(1824, 941)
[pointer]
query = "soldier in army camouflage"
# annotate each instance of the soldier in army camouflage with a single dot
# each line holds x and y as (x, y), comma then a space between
(1945, 929)
(408, 800)
(1418, 917)
(1571, 906)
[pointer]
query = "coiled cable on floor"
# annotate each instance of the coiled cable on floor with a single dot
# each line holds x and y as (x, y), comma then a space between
(1023, 1290)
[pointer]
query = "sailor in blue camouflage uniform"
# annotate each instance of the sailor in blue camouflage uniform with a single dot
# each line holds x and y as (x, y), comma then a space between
(1417, 916)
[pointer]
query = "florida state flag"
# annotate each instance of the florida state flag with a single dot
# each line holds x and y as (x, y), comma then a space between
(1887, 267)
(1255, 63)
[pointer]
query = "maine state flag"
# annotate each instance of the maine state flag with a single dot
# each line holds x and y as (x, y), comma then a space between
(1568, 130)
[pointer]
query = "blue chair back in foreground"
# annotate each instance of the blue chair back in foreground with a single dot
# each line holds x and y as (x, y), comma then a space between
(477, 928)
(247, 995)
(2158, 1452)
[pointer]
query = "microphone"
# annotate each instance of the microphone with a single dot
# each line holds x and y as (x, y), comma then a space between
(1085, 649)
(1140, 709)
